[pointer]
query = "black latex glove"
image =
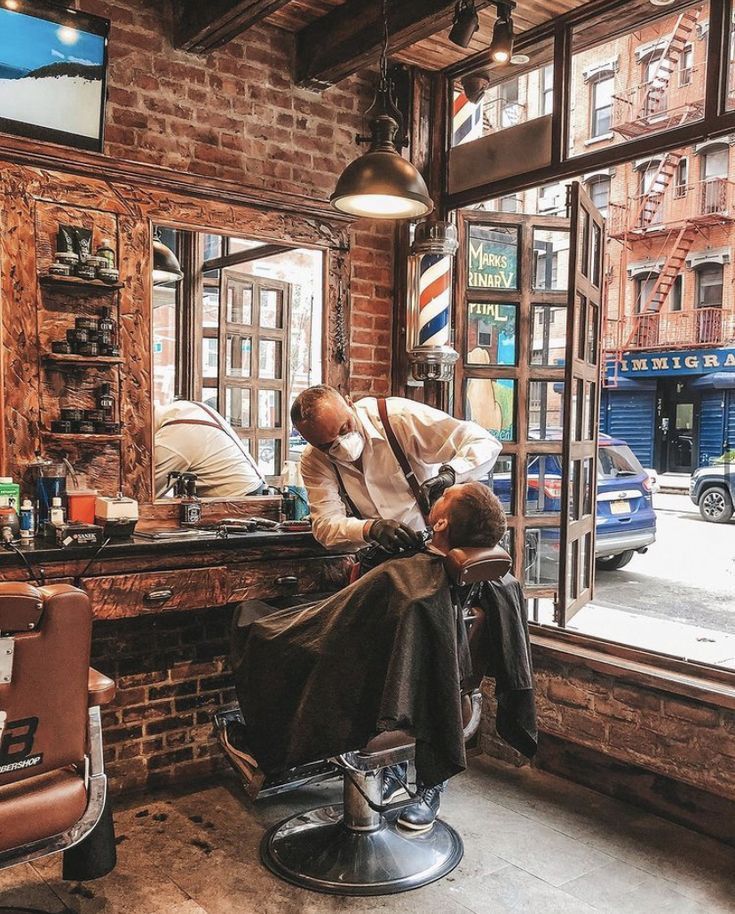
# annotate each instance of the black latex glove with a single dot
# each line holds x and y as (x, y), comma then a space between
(392, 535)
(432, 489)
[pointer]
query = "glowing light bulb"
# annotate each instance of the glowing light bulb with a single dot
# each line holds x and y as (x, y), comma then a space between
(67, 35)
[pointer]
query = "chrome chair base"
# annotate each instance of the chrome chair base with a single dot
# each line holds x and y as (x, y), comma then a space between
(316, 850)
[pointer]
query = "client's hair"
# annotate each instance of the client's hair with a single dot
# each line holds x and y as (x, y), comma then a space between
(477, 518)
(309, 401)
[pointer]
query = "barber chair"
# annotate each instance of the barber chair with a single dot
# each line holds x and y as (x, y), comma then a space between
(53, 788)
(356, 848)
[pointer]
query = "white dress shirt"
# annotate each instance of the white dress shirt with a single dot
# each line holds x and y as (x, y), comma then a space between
(429, 439)
(192, 438)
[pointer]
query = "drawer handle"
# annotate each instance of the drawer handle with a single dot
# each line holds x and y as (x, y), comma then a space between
(158, 596)
(287, 579)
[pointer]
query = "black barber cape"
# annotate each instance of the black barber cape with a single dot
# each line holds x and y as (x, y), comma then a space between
(318, 680)
(508, 660)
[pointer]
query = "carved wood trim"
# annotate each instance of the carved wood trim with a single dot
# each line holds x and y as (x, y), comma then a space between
(134, 206)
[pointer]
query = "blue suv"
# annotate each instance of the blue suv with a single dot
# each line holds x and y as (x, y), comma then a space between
(626, 521)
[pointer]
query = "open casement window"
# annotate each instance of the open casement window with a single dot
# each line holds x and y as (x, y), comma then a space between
(581, 405)
(519, 300)
(253, 355)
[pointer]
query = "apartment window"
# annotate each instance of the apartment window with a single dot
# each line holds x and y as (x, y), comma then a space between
(675, 298)
(549, 197)
(682, 178)
(602, 92)
(510, 109)
(709, 286)
(547, 89)
(714, 163)
(644, 287)
(599, 191)
(685, 66)
(510, 204)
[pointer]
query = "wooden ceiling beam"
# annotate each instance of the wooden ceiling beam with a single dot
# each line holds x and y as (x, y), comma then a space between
(200, 27)
(350, 36)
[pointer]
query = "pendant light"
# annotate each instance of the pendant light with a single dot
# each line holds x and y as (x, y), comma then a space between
(166, 267)
(381, 184)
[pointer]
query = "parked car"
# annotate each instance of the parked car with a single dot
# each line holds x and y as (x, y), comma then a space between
(626, 521)
(712, 489)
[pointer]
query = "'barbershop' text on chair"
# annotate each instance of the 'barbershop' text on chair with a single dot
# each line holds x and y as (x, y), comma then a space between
(53, 789)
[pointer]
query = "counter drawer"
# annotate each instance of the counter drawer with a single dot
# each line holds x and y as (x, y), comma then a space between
(123, 595)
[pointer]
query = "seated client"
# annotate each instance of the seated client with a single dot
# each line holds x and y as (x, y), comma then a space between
(388, 652)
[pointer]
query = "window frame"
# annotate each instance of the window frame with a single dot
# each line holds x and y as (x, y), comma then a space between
(717, 121)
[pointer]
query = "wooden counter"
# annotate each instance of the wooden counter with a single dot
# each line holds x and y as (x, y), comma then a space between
(139, 576)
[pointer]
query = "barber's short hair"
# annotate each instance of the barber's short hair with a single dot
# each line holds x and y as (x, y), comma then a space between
(476, 517)
(308, 401)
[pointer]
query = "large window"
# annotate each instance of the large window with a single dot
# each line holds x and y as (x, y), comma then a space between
(243, 334)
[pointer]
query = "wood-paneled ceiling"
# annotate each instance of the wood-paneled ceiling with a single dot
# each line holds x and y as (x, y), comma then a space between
(335, 38)
(437, 51)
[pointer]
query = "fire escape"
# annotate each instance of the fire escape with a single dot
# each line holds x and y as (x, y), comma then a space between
(644, 109)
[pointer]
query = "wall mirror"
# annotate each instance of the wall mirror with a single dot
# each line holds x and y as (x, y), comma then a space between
(242, 332)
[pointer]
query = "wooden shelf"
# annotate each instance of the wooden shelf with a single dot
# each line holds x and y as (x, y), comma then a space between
(63, 359)
(80, 437)
(77, 283)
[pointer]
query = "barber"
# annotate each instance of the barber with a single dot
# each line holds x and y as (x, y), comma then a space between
(191, 437)
(372, 478)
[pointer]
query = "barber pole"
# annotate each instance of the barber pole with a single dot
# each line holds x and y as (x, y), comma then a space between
(430, 290)
(466, 119)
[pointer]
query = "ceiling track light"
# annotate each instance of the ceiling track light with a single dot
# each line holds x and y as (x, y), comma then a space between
(501, 47)
(465, 24)
(381, 184)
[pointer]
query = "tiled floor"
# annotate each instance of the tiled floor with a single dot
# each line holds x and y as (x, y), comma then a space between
(533, 843)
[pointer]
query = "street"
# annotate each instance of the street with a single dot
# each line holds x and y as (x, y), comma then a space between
(686, 578)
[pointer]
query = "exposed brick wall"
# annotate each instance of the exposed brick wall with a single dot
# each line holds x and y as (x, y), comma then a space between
(682, 739)
(171, 673)
(236, 114)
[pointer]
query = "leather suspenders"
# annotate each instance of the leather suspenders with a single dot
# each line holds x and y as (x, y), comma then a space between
(400, 456)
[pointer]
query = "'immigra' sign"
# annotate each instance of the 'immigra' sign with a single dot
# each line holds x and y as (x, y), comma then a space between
(651, 364)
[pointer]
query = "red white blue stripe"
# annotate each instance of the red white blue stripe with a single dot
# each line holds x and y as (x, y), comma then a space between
(466, 120)
(434, 282)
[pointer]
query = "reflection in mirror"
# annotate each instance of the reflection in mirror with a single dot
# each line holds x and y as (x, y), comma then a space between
(243, 335)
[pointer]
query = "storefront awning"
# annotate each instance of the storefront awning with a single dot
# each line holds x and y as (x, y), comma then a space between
(718, 380)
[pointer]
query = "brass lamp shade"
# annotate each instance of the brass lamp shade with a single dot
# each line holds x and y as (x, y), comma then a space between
(166, 267)
(382, 185)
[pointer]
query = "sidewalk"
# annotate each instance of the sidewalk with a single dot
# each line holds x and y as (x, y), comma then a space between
(674, 483)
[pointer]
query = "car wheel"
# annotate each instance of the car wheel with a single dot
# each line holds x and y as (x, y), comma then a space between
(613, 562)
(715, 506)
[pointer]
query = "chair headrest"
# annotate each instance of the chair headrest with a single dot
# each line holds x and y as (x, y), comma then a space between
(21, 606)
(476, 563)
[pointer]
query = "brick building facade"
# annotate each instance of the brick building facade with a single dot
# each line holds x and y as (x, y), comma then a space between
(670, 223)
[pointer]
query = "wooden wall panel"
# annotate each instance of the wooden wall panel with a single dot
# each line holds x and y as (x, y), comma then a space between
(32, 203)
(20, 343)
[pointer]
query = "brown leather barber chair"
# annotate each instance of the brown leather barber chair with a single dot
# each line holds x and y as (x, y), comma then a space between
(356, 848)
(53, 788)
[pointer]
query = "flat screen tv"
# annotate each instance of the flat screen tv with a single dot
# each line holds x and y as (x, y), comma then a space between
(53, 69)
